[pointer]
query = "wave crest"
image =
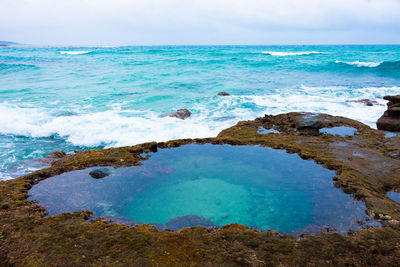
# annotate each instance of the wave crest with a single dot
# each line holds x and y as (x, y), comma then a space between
(74, 52)
(283, 54)
(359, 63)
(383, 68)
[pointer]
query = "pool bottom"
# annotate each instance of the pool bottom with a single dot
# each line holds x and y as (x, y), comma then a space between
(211, 185)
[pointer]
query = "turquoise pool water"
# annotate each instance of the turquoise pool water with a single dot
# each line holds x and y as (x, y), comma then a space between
(210, 185)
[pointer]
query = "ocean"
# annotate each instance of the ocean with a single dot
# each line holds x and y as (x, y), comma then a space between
(80, 98)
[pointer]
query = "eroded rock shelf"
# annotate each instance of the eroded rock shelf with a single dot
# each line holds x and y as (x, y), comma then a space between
(366, 164)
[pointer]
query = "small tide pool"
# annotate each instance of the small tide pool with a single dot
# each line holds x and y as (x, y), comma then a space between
(394, 195)
(340, 130)
(262, 130)
(390, 135)
(210, 185)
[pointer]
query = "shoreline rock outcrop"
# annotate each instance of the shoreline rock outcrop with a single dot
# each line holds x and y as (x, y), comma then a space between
(224, 94)
(182, 114)
(390, 120)
(53, 156)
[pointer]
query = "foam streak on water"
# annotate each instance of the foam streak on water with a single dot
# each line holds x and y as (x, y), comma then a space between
(284, 54)
(86, 97)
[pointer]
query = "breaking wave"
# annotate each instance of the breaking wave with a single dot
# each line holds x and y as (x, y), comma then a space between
(359, 63)
(392, 67)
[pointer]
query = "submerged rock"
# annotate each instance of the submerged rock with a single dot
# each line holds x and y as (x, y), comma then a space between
(390, 120)
(224, 94)
(188, 221)
(100, 173)
(57, 154)
(367, 102)
(180, 114)
(53, 156)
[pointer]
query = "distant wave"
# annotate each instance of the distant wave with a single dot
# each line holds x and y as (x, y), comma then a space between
(283, 54)
(383, 68)
(74, 52)
(360, 63)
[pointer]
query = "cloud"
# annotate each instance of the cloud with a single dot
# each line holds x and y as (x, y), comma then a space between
(191, 21)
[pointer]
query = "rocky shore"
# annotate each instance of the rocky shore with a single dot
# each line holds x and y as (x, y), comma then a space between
(367, 166)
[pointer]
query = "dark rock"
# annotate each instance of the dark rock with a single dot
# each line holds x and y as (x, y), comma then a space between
(188, 221)
(390, 120)
(312, 121)
(100, 173)
(224, 94)
(53, 156)
(153, 148)
(180, 114)
(393, 99)
(367, 102)
(329, 229)
(57, 154)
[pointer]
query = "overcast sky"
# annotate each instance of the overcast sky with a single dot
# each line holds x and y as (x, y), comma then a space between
(159, 22)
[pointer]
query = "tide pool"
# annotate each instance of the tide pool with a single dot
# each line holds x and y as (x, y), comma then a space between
(210, 185)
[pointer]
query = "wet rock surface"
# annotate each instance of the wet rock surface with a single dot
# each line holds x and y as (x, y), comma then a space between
(180, 114)
(311, 121)
(28, 237)
(390, 120)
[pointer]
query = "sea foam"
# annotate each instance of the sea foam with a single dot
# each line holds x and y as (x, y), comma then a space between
(114, 127)
(119, 126)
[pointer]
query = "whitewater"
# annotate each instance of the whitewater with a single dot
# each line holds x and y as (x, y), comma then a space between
(79, 98)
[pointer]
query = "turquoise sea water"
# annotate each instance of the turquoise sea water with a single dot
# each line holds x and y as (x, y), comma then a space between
(69, 98)
(218, 184)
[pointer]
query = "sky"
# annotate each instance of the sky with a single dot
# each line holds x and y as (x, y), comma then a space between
(200, 22)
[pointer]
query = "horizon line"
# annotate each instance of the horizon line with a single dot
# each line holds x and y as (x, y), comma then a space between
(188, 45)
